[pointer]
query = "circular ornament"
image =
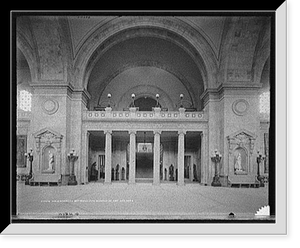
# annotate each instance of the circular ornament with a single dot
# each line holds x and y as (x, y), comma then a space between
(240, 107)
(50, 106)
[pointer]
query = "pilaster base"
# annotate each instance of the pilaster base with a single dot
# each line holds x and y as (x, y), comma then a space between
(260, 179)
(72, 180)
(216, 182)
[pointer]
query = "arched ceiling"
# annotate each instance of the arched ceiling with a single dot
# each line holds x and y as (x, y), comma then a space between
(23, 71)
(200, 52)
(171, 63)
(81, 27)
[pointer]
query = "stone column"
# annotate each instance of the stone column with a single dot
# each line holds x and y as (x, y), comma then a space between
(132, 154)
(205, 172)
(180, 163)
(107, 156)
(85, 160)
(156, 157)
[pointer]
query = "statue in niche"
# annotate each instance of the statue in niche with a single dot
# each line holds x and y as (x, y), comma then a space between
(50, 162)
(238, 163)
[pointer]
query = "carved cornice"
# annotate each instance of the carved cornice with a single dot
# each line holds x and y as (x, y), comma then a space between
(241, 138)
(229, 89)
(47, 137)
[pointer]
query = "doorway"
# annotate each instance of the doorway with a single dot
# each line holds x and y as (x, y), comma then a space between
(144, 166)
(146, 103)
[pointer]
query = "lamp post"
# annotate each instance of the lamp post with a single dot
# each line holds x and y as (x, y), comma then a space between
(259, 159)
(181, 98)
(132, 97)
(157, 97)
(29, 156)
(72, 158)
(216, 158)
(109, 97)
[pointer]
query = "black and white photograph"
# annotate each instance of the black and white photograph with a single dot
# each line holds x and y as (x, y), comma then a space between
(145, 117)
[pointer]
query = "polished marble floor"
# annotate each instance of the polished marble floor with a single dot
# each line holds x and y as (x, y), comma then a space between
(138, 201)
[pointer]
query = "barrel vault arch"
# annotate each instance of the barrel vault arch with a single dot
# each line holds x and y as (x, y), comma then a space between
(170, 29)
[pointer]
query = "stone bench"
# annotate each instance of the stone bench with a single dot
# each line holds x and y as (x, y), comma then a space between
(248, 181)
(46, 180)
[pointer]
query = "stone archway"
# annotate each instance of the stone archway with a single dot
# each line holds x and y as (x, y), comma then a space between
(171, 29)
(29, 55)
(156, 64)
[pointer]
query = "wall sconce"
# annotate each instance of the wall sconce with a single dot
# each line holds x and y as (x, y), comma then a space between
(181, 98)
(216, 158)
(109, 97)
(72, 156)
(132, 97)
(260, 157)
(157, 97)
(29, 156)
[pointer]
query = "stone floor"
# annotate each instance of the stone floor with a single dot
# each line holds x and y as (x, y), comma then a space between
(138, 201)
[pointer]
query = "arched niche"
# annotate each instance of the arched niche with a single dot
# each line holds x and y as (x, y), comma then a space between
(241, 165)
(48, 145)
(49, 156)
(241, 142)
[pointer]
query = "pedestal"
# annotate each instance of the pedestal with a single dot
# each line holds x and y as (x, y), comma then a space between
(72, 180)
(216, 182)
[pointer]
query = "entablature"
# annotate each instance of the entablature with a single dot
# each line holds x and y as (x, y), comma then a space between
(144, 120)
(145, 116)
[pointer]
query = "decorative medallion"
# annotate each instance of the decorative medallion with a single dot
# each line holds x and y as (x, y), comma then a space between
(50, 106)
(240, 107)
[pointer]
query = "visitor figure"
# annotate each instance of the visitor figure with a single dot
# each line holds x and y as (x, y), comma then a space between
(51, 161)
(194, 172)
(238, 163)
(102, 171)
(127, 171)
(112, 174)
(117, 172)
(171, 173)
(94, 172)
(165, 174)
(123, 174)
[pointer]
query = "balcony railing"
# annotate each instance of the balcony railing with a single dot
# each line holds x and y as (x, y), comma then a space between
(155, 115)
(23, 115)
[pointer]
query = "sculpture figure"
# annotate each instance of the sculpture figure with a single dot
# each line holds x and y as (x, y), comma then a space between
(50, 161)
(112, 174)
(238, 163)
(117, 172)
(165, 174)
(194, 172)
(123, 173)
(171, 173)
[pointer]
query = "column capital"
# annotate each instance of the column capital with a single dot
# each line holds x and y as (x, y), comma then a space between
(157, 132)
(132, 132)
(181, 132)
(108, 132)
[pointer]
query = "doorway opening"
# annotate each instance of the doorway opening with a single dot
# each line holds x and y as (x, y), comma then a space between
(146, 103)
(144, 166)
